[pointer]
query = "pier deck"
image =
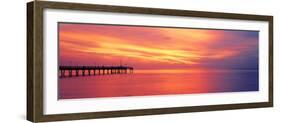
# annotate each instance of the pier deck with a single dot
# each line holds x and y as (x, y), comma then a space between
(70, 71)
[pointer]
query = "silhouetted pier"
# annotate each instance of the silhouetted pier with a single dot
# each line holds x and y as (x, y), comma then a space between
(70, 71)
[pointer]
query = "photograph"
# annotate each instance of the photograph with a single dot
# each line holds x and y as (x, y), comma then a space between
(106, 60)
(90, 61)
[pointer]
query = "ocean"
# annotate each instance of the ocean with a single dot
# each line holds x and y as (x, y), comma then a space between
(145, 83)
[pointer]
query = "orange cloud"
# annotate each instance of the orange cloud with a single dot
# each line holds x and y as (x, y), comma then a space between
(165, 46)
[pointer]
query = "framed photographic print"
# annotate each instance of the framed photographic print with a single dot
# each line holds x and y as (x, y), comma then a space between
(90, 61)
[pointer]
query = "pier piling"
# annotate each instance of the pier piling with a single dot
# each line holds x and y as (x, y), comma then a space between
(67, 71)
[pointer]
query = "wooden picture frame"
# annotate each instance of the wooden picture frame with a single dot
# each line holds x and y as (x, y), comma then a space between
(35, 60)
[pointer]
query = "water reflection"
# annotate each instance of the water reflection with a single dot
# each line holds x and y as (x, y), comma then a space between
(155, 83)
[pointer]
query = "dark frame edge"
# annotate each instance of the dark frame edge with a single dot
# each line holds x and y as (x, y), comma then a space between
(30, 85)
(143, 112)
(271, 55)
(34, 61)
(153, 11)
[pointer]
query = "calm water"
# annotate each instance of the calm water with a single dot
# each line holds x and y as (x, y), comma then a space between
(141, 84)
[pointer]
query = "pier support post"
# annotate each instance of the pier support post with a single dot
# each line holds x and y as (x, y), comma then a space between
(70, 73)
(83, 72)
(89, 72)
(77, 72)
(63, 73)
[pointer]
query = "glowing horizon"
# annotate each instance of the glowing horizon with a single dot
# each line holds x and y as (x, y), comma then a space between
(157, 47)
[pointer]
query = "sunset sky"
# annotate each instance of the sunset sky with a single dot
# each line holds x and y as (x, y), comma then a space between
(157, 47)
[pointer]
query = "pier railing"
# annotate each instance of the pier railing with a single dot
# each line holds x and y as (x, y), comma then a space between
(70, 71)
